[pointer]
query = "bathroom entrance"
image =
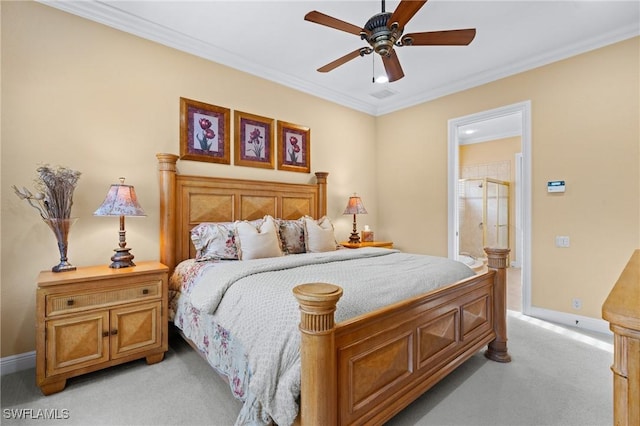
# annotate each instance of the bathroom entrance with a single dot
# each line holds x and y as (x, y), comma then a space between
(483, 129)
(483, 209)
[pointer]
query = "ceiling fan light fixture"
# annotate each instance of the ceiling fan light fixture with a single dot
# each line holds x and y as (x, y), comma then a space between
(381, 79)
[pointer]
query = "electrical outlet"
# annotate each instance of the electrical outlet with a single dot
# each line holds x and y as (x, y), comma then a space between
(562, 241)
(576, 303)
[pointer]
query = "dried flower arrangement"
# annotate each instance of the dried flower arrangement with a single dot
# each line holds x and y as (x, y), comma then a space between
(53, 200)
(54, 196)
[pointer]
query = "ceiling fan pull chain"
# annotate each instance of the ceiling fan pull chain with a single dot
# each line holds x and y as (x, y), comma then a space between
(373, 68)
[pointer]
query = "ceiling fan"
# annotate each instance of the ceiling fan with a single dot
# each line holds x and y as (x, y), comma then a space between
(384, 30)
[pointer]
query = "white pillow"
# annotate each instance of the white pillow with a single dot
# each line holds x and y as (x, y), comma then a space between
(258, 242)
(319, 235)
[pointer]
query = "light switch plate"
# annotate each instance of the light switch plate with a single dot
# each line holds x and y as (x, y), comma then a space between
(562, 241)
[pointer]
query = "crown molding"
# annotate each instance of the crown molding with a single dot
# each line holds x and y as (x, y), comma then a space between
(489, 76)
(112, 17)
(105, 14)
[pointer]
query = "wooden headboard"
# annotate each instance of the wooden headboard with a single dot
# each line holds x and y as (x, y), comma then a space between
(186, 201)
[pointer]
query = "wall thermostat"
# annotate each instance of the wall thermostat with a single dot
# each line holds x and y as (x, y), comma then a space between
(555, 186)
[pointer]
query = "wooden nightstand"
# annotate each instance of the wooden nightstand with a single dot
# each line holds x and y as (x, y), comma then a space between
(96, 317)
(383, 244)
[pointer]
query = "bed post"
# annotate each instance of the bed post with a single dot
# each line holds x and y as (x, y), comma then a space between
(167, 168)
(321, 181)
(318, 381)
(497, 261)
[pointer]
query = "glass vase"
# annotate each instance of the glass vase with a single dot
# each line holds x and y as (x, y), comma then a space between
(60, 228)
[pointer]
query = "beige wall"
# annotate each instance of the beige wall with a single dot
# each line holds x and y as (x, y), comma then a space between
(585, 130)
(82, 95)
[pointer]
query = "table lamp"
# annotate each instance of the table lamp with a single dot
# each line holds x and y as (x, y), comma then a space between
(354, 207)
(121, 201)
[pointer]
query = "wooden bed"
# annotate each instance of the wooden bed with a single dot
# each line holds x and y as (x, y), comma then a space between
(366, 369)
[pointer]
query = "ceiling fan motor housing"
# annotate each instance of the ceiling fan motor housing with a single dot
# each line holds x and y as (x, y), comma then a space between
(381, 38)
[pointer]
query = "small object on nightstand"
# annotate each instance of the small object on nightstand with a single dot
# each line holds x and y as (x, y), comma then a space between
(367, 235)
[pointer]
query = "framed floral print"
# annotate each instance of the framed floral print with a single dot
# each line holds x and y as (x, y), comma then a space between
(294, 147)
(204, 132)
(253, 140)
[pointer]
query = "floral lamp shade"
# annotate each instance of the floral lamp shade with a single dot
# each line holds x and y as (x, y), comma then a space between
(121, 200)
(354, 207)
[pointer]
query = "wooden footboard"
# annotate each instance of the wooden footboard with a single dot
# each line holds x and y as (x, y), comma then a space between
(367, 369)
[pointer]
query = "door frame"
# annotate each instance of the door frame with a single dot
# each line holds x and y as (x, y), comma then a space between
(524, 108)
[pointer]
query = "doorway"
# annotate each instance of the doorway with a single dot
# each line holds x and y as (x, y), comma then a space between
(521, 114)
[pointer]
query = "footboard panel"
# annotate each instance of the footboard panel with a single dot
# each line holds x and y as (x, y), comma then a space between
(388, 358)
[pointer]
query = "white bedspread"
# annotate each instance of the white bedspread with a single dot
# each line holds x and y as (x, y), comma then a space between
(260, 310)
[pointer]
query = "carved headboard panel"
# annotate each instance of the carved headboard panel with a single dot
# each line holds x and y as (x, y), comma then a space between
(186, 201)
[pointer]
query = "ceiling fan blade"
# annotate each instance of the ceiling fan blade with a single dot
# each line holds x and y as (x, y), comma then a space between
(342, 60)
(405, 11)
(440, 38)
(329, 21)
(392, 66)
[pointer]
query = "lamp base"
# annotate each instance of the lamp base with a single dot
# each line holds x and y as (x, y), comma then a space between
(122, 258)
(354, 238)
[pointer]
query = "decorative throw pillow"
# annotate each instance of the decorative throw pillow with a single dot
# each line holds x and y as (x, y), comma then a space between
(258, 242)
(214, 241)
(217, 240)
(319, 235)
(291, 235)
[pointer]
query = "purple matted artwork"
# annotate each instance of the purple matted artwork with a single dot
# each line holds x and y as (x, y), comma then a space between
(253, 140)
(294, 147)
(204, 132)
(256, 141)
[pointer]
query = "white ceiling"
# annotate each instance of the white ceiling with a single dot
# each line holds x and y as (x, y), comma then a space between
(272, 40)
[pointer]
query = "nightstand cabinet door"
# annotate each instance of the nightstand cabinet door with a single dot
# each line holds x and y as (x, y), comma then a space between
(135, 329)
(77, 342)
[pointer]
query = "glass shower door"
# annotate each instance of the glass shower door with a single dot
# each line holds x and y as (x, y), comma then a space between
(496, 214)
(470, 226)
(483, 215)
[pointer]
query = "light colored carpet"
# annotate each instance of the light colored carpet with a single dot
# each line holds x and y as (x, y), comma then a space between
(554, 379)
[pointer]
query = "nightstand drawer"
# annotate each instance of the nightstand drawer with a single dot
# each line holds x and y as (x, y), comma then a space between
(66, 303)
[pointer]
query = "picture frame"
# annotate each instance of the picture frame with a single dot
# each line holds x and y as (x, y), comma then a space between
(204, 132)
(294, 147)
(253, 140)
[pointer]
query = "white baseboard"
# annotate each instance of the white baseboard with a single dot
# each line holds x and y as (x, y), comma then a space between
(14, 363)
(572, 320)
